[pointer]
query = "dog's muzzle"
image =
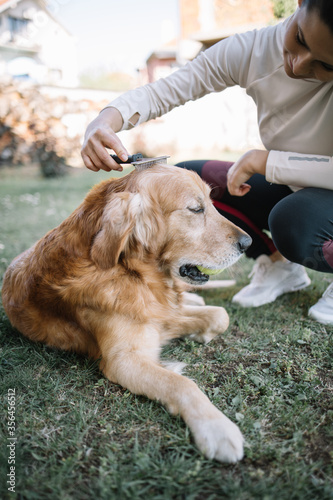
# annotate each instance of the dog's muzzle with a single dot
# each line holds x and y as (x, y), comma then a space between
(193, 274)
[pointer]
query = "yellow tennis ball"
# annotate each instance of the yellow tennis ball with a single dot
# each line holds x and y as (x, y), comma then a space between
(209, 272)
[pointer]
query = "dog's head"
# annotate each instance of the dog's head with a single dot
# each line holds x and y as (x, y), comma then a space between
(165, 213)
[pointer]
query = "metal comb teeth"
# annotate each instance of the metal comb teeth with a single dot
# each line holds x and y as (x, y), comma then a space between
(139, 162)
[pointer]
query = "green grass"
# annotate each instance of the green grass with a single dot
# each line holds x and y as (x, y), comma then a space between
(81, 437)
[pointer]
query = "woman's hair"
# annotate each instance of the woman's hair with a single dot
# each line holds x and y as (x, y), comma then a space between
(324, 9)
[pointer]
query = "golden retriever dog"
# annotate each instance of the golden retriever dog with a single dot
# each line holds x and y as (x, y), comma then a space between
(108, 282)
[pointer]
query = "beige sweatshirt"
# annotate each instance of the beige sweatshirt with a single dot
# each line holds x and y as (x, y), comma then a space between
(295, 117)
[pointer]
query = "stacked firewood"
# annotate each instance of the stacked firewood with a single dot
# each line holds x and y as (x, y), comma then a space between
(33, 127)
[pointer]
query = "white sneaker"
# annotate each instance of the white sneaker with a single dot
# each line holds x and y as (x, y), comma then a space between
(323, 310)
(270, 280)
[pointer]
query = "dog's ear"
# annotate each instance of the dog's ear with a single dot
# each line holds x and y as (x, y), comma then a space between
(129, 222)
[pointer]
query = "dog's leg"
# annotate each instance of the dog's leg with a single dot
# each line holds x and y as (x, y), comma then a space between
(201, 323)
(193, 299)
(137, 368)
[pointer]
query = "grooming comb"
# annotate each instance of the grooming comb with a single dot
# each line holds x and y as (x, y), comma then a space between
(139, 162)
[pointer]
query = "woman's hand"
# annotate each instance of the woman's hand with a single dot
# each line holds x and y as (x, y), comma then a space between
(101, 134)
(252, 162)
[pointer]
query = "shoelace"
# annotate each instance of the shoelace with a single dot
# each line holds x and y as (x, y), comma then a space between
(329, 292)
(258, 272)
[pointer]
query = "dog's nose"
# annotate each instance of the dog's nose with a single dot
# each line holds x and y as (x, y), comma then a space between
(244, 242)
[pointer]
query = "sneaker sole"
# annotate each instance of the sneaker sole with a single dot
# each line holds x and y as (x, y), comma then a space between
(282, 291)
(324, 320)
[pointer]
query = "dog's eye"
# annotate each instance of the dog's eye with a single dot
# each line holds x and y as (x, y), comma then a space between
(197, 210)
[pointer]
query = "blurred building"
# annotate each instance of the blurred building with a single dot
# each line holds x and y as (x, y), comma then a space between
(34, 45)
(209, 21)
(230, 117)
(203, 23)
(162, 61)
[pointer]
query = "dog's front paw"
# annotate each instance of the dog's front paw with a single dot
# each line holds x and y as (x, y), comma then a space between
(218, 321)
(218, 438)
(192, 299)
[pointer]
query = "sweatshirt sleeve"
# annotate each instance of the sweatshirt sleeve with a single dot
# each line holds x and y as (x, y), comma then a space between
(223, 65)
(300, 170)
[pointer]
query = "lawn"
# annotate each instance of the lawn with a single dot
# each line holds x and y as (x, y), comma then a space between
(80, 437)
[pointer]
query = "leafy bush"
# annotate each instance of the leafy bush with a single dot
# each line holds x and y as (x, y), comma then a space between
(283, 8)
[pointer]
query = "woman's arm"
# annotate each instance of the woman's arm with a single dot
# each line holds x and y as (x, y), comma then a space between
(300, 170)
(223, 65)
(280, 167)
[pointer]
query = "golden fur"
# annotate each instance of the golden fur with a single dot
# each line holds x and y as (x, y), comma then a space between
(107, 283)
